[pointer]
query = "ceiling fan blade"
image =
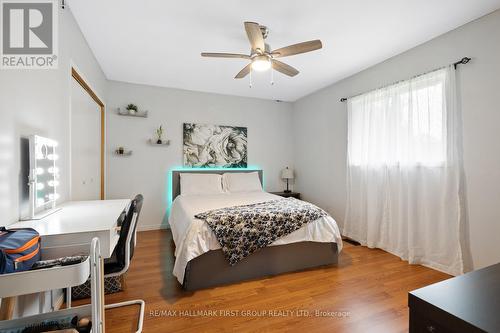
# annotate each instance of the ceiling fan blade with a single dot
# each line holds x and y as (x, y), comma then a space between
(284, 68)
(255, 36)
(244, 72)
(224, 55)
(297, 48)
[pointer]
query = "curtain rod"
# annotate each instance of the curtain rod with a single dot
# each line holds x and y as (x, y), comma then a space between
(462, 61)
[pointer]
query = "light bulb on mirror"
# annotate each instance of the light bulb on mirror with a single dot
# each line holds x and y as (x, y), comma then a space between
(53, 183)
(53, 196)
(52, 157)
(53, 170)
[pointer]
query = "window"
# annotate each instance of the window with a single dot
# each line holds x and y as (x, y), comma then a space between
(400, 125)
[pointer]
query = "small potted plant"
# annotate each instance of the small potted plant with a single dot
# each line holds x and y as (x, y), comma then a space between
(121, 150)
(132, 108)
(159, 134)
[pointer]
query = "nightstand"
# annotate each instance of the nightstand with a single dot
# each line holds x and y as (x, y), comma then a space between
(287, 194)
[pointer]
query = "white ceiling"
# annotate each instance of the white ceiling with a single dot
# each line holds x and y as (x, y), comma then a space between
(159, 42)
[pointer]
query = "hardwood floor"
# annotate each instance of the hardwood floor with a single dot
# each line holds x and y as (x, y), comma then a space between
(365, 292)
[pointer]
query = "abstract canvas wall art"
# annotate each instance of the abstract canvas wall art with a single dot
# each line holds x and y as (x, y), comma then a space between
(215, 146)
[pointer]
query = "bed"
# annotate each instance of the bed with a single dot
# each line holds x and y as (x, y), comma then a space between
(200, 262)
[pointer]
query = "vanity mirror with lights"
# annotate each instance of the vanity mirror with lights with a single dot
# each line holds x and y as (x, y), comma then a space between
(43, 177)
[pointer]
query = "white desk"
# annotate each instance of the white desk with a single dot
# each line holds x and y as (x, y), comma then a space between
(70, 230)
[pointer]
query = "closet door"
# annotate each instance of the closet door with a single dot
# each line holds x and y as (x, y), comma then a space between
(86, 144)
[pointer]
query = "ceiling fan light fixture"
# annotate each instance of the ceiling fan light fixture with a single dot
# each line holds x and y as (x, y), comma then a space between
(262, 57)
(261, 63)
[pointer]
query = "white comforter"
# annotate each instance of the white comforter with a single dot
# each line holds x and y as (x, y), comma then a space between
(193, 237)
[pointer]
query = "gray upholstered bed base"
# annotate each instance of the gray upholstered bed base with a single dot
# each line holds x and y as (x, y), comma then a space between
(211, 268)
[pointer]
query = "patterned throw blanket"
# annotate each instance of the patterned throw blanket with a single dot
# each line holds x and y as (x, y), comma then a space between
(242, 230)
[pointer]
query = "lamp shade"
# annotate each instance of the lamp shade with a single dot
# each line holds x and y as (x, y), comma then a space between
(287, 173)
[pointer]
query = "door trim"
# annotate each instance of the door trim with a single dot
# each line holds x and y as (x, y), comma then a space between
(92, 94)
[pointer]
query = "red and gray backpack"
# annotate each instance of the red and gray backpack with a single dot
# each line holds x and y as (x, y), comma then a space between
(19, 249)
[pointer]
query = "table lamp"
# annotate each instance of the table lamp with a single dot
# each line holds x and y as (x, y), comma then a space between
(287, 174)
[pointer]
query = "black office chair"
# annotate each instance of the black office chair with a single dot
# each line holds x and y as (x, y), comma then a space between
(119, 262)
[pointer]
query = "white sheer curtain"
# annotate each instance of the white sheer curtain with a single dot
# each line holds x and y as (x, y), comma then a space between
(404, 167)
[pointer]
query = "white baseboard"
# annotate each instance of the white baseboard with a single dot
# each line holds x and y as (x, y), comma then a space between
(147, 227)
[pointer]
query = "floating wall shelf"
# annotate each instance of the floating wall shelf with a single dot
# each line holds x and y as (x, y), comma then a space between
(125, 153)
(142, 114)
(164, 143)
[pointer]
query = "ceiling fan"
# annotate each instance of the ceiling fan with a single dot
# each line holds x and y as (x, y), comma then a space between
(261, 57)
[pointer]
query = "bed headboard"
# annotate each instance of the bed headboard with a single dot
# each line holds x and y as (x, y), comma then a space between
(176, 177)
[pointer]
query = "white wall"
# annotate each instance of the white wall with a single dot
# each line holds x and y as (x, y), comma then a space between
(269, 139)
(38, 102)
(320, 128)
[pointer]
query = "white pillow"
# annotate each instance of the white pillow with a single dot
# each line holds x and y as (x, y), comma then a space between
(241, 182)
(199, 183)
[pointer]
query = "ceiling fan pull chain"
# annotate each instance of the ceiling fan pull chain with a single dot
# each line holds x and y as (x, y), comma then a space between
(250, 85)
(272, 77)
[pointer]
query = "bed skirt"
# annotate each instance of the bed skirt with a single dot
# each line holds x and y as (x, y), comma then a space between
(212, 269)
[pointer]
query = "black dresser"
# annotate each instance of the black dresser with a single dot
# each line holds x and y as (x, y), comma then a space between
(466, 303)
